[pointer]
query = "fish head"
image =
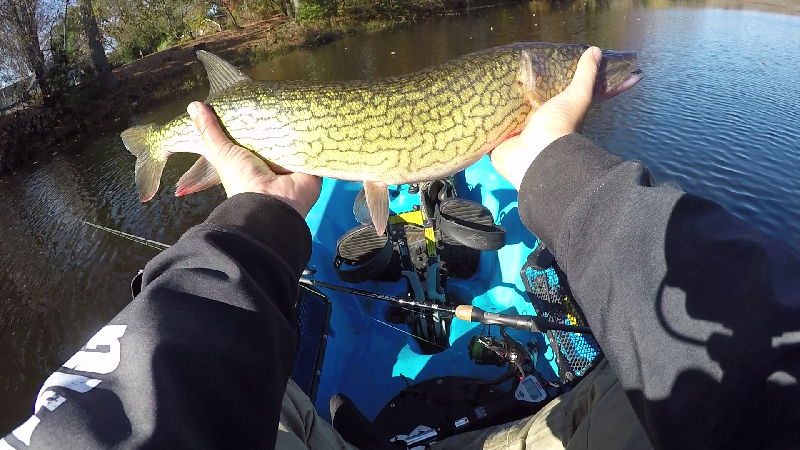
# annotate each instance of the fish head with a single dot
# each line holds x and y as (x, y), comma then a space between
(617, 73)
(547, 69)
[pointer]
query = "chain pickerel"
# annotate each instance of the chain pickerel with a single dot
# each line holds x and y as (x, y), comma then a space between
(398, 130)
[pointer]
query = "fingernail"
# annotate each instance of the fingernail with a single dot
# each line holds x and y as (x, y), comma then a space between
(597, 53)
(193, 109)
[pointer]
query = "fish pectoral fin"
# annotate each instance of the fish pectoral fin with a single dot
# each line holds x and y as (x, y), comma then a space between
(527, 79)
(202, 175)
(148, 168)
(373, 199)
(221, 73)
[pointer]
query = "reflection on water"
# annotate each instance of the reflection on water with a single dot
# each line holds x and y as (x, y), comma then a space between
(717, 113)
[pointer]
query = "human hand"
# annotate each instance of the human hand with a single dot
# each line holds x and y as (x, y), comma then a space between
(558, 117)
(242, 171)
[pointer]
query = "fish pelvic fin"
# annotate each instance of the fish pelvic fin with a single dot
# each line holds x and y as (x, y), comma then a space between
(360, 208)
(202, 175)
(150, 160)
(374, 200)
(221, 73)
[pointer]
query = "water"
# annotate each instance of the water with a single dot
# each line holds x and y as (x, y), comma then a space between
(718, 113)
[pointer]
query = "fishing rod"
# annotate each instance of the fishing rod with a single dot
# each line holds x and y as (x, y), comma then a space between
(384, 297)
(467, 313)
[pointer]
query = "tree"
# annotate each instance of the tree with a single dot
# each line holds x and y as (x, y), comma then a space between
(20, 48)
(98, 59)
(134, 28)
(228, 6)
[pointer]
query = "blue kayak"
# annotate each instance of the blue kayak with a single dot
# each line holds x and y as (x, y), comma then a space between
(371, 360)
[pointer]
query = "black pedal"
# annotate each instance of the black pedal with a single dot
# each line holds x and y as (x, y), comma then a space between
(361, 254)
(470, 224)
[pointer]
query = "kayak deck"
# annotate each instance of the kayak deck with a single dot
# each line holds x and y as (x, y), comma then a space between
(370, 360)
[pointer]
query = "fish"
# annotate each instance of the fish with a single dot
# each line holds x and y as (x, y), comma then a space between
(418, 127)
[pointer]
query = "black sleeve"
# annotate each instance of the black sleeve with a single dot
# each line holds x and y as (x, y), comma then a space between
(201, 357)
(698, 312)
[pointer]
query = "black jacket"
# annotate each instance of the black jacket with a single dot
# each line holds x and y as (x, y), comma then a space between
(696, 310)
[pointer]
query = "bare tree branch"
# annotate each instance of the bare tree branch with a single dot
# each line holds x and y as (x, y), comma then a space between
(22, 22)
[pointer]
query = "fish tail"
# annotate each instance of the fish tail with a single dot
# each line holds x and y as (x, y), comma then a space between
(150, 160)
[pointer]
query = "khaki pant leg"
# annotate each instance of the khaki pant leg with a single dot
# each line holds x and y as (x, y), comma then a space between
(596, 415)
(611, 423)
(301, 428)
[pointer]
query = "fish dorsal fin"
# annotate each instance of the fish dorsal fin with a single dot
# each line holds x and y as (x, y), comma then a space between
(221, 73)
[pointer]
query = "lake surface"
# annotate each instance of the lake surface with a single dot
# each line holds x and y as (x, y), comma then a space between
(718, 112)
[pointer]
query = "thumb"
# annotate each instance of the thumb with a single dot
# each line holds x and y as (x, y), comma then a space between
(581, 90)
(210, 130)
(237, 168)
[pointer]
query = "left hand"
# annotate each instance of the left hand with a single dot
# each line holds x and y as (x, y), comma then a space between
(242, 171)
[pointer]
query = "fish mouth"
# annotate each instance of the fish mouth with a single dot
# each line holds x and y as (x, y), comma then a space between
(617, 73)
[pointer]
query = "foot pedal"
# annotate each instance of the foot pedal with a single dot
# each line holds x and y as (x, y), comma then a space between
(467, 223)
(361, 254)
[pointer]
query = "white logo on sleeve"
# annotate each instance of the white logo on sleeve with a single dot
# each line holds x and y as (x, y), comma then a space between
(99, 361)
(76, 383)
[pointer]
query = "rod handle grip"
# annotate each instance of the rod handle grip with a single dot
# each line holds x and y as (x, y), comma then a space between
(464, 312)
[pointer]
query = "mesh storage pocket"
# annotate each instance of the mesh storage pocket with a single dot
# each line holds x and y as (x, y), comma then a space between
(576, 353)
(313, 316)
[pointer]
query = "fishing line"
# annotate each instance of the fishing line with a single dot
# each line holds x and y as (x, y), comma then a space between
(152, 244)
(161, 246)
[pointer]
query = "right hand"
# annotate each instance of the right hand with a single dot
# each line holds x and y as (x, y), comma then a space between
(558, 117)
(242, 171)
